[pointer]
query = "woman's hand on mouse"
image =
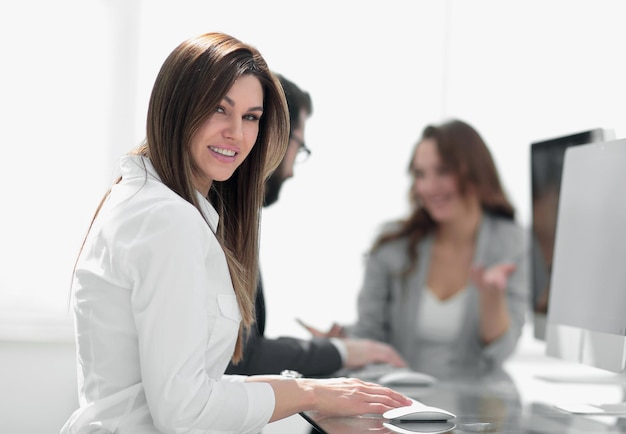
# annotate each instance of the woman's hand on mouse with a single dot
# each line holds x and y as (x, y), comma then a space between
(352, 397)
(333, 396)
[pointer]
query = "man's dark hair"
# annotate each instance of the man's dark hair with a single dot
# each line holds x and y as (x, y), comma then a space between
(297, 99)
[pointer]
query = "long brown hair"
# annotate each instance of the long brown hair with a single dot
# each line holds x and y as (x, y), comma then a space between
(465, 153)
(189, 87)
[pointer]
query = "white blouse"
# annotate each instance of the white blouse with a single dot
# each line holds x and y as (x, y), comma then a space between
(439, 325)
(157, 319)
(441, 320)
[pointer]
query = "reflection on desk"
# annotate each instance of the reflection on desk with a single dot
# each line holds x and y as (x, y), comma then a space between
(420, 427)
(483, 403)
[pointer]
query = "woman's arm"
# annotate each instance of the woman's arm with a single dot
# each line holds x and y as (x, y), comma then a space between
(492, 283)
(503, 292)
(333, 397)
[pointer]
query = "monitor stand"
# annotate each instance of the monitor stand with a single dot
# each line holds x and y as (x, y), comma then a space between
(595, 409)
(577, 378)
(614, 409)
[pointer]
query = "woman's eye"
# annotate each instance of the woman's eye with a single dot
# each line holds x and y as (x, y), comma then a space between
(220, 109)
(417, 173)
(251, 117)
(444, 170)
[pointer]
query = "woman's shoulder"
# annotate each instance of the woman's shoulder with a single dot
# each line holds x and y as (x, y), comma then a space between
(510, 235)
(503, 224)
(388, 227)
(150, 195)
(148, 204)
(392, 247)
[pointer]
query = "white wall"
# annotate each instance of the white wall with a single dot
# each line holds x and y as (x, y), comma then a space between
(77, 74)
(38, 390)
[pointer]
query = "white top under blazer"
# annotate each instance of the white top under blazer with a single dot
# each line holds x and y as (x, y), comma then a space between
(157, 319)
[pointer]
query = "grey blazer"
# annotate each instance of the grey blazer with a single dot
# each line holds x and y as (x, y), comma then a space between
(387, 304)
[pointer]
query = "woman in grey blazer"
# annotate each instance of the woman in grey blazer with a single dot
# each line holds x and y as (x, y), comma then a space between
(447, 286)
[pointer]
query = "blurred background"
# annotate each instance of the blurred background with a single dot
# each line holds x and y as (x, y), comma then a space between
(75, 82)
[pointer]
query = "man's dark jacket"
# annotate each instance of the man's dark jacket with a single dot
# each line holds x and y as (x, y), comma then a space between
(316, 357)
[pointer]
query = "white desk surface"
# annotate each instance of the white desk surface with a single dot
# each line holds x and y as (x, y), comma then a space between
(538, 382)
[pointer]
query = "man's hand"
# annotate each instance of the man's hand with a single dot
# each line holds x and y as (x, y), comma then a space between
(360, 352)
(363, 352)
(336, 330)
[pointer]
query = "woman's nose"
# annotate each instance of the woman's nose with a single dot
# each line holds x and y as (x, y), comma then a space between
(424, 184)
(234, 129)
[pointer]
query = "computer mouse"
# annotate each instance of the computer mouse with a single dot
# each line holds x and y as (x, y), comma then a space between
(418, 411)
(406, 378)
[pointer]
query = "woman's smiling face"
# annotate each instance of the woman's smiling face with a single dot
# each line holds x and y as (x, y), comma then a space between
(226, 137)
(436, 185)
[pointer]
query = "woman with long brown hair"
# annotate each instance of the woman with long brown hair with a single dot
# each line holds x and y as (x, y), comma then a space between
(447, 286)
(164, 285)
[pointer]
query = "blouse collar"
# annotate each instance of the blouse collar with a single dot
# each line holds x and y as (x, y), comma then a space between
(136, 165)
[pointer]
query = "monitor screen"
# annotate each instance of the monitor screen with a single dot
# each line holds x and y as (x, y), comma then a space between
(546, 165)
(586, 321)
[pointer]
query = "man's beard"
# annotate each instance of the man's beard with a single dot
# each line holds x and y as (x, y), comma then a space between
(272, 189)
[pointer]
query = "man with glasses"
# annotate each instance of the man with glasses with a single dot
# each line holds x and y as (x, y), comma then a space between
(300, 108)
(318, 356)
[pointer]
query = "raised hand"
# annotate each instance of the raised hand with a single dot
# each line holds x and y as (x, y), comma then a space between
(494, 278)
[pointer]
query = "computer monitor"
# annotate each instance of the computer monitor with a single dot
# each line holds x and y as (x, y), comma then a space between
(586, 320)
(546, 165)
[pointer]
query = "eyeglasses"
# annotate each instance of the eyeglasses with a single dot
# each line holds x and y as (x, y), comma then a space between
(303, 151)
